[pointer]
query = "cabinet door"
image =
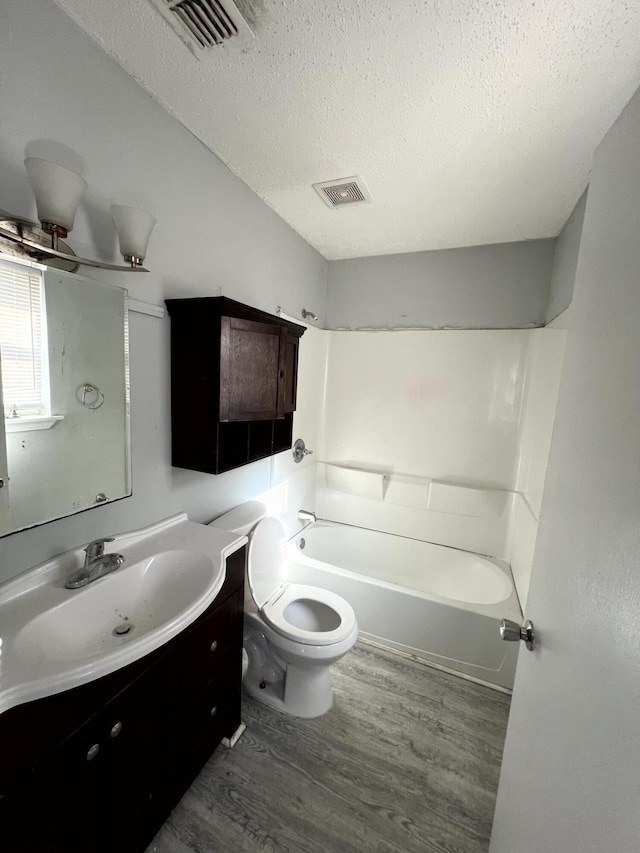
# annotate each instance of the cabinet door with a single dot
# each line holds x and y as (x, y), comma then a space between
(135, 727)
(291, 373)
(252, 370)
(56, 807)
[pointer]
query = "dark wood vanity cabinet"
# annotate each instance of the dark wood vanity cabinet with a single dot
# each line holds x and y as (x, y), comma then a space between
(100, 767)
(233, 383)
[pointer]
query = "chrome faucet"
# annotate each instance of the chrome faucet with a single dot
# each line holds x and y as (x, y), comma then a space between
(306, 515)
(96, 564)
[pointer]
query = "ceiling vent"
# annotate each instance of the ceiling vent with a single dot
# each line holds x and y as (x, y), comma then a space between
(203, 24)
(342, 191)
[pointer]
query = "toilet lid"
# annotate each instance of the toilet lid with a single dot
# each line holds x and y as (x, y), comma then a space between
(266, 560)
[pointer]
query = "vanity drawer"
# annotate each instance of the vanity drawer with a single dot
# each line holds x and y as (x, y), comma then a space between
(208, 642)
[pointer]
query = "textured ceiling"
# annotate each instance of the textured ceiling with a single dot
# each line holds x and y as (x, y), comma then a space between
(470, 122)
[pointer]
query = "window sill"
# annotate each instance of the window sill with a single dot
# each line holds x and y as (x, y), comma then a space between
(26, 424)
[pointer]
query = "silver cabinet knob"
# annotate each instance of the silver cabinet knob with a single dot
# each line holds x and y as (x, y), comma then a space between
(213, 711)
(511, 631)
(116, 729)
(214, 645)
(95, 749)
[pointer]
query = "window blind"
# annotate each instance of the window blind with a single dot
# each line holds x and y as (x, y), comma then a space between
(22, 338)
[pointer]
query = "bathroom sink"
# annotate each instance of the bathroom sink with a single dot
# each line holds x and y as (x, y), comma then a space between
(53, 638)
(123, 608)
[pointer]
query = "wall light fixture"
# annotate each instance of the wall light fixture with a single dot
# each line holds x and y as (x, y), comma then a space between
(58, 191)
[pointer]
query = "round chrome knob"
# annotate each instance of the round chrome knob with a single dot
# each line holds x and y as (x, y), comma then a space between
(509, 630)
(213, 711)
(95, 749)
(513, 632)
(116, 729)
(214, 645)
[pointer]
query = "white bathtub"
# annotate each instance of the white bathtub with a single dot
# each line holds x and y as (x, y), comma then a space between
(438, 603)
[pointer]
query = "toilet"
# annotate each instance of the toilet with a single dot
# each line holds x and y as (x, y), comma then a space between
(293, 633)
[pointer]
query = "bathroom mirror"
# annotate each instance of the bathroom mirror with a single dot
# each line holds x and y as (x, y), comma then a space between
(65, 445)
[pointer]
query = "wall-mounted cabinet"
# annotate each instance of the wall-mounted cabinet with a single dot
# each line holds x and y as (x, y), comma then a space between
(233, 383)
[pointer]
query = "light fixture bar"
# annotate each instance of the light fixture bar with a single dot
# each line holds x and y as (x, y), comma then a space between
(36, 250)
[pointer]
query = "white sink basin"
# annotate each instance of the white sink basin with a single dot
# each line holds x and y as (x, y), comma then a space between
(138, 599)
(53, 638)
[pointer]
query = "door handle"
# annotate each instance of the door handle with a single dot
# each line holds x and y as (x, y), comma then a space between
(511, 631)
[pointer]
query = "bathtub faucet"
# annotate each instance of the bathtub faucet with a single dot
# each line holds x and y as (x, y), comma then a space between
(306, 515)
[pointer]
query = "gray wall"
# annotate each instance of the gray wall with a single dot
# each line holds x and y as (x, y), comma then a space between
(570, 774)
(213, 235)
(480, 287)
(565, 261)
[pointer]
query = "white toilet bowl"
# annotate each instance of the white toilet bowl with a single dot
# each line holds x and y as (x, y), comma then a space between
(293, 633)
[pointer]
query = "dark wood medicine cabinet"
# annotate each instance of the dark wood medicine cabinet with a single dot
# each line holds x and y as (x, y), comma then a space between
(233, 383)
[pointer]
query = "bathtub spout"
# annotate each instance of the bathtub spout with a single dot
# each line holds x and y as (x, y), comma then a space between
(306, 515)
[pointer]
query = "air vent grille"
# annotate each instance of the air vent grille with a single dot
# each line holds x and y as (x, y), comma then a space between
(206, 20)
(343, 191)
(204, 24)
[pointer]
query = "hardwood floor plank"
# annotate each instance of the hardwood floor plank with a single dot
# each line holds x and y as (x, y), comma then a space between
(407, 759)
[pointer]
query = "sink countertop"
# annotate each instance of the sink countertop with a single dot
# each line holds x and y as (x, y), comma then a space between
(40, 619)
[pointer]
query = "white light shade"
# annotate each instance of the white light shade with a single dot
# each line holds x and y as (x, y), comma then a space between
(57, 191)
(134, 228)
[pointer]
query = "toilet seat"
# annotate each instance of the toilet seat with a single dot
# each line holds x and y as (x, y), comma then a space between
(266, 575)
(274, 614)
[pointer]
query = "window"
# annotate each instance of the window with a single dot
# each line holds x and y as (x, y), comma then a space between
(23, 341)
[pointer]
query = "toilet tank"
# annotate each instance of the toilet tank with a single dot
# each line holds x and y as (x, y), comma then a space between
(242, 518)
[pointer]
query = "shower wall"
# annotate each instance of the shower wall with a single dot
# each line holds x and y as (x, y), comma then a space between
(542, 381)
(421, 433)
(441, 436)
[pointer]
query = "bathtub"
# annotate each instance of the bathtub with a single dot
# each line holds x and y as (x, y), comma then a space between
(439, 604)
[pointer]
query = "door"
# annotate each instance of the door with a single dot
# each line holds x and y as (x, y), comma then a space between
(571, 772)
(252, 359)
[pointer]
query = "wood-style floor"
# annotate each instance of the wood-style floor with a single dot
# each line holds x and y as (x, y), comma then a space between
(407, 760)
